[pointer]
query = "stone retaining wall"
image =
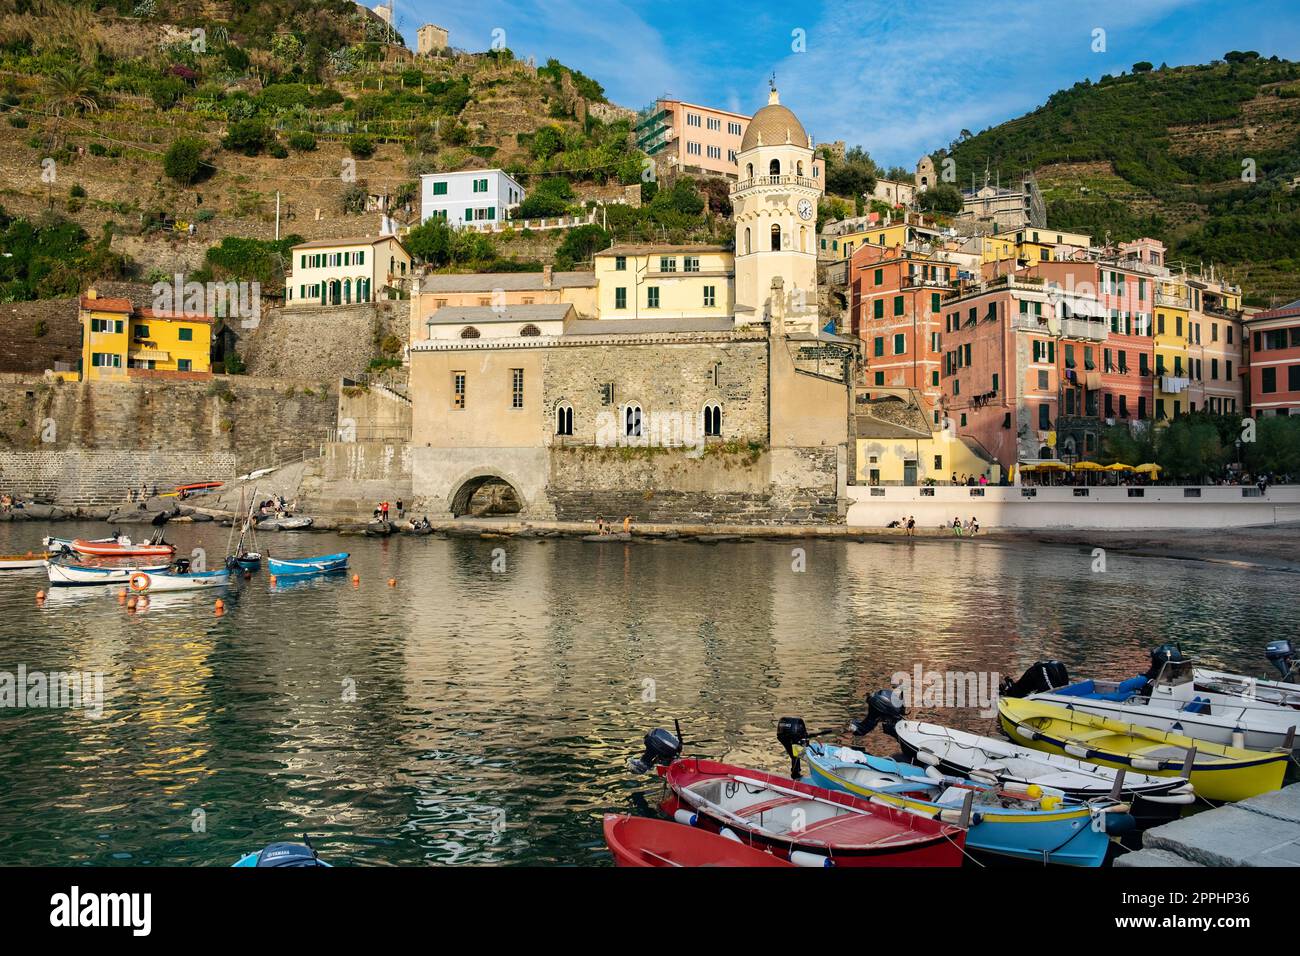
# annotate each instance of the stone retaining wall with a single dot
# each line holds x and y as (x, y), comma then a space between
(90, 477)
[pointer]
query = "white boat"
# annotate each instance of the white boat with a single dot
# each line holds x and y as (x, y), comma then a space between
(991, 760)
(1284, 692)
(22, 562)
(1172, 702)
(67, 575)
(64, 545)
(151, 582)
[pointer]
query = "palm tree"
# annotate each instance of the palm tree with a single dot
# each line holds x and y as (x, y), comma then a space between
(70, 89)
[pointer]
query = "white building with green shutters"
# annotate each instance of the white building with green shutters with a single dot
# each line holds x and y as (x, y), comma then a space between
(469, 196)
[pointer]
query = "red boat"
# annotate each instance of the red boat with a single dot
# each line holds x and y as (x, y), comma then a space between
(122, 548)
(802, 823)
(640, 841)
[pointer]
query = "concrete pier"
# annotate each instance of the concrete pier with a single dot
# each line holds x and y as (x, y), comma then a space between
(1260, 831)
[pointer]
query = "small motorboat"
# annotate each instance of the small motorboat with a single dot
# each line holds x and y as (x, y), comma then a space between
(1217, 771)
(176, 579)
(642, 841)
(1166, 698)
(65, 574)
(799, 822)
(124, 547)
(23, 562)
(284, 567)
(288, 523)
(282, 854)
(64, 545)
(1027, 822)
(244, 561)
(990, 760)
(1282, 693)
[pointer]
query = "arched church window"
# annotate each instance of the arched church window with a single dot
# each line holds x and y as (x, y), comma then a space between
(774, 167)
(632, 420)
(530, 330)
(798, 168)
(746, 247)
(469, 332)
(713, 420)
(749, 170)
(564, 419)
(803, 238)
(776, 237)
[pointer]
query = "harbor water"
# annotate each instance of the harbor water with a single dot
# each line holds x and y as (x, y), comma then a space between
(481, 709)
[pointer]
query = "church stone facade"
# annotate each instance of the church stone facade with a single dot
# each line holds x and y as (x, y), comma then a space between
(685, 419)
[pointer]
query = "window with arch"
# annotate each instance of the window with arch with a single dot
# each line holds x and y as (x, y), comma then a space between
(774, 167)
(776, 237)
(747, 243)
(803, 238)
(529, 330)
(564, 419)
(749, 170)
(798, 168)
(632, 420)
(469, 332)
(713, 420)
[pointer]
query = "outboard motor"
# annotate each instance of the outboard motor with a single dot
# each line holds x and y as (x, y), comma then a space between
(289, 854)
(1042, 677)
(1160, 657)
(1281, 655)
(182, 565)
(792, 732)
(884, 707)
(661, 749)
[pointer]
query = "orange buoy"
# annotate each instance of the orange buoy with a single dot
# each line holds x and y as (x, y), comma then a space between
(130, 603)
(219, 608)
(40, 597)
(273, 580)
(121, 595)
(392, 582)
(356, 579)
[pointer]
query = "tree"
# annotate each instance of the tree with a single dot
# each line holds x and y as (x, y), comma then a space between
(580, 245)
(1189, 449)
(1142, 67)
(546, 142)
(249, 137)
(853, 176)
(183, 160)
(1276, 449)
(550, 197)
(941, 198)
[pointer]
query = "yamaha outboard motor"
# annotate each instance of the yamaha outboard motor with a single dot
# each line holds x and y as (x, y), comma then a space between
(884, 707)
(661, 749)
(1160, 657)
(792, 732)
(289, 854)
(1042, 677)
(1281, 655)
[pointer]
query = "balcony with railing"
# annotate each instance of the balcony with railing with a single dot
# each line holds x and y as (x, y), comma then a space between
(1090, 329)
(784, 180)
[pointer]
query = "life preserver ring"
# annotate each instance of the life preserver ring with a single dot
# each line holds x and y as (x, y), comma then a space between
(140, 581)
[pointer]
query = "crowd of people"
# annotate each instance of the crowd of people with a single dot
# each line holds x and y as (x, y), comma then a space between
(968, 529)
(276, 506)
(384, 509)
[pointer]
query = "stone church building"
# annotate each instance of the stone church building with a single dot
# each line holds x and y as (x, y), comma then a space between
(717, 415)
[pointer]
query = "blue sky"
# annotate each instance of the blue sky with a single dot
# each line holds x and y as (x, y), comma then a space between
(899, 78)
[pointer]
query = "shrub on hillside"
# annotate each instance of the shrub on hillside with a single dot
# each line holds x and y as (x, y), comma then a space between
(249, 137)
(302, 141)
(184, 162)
(362, 147)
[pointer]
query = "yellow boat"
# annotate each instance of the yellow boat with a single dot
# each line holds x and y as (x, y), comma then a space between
(1219, 772)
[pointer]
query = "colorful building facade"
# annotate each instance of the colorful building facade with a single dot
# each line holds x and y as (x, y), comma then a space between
(1273, 361)
(121, 342)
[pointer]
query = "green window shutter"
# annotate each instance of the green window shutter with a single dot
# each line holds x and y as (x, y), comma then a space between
(880, 378)
(898, 305)
(878, 310)
(880, 345)
(899, 343)
(880, 277)
(934, 302)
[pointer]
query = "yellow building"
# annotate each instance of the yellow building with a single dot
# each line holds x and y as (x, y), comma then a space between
(665, 282)
(1031, 244)
(894, 444)
(120, 341)
(839, 240)
(1173, 368)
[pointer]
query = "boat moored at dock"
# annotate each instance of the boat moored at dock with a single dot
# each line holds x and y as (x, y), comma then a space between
(285, 567)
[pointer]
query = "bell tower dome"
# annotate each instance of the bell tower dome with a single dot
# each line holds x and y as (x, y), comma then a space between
(774, 208)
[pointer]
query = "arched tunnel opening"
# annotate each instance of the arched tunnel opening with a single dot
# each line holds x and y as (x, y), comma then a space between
(486, 496)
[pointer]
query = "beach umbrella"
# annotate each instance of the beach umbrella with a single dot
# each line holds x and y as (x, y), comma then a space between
(1088, 466)
(1119, 466)
(1150, 468)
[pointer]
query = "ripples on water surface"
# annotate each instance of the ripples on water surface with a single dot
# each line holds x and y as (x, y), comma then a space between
(516, 697)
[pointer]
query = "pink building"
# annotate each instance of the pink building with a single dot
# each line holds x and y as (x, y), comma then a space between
(1273, 361)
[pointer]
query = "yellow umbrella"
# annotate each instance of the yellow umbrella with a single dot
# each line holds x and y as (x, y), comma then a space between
(1119, 466)
(1150, 468)
(1051, 466)
(1088, 466)
(1028, 466)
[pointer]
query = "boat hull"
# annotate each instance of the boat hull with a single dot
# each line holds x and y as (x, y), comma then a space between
(1219, 773)
(63, 575)
(23, 562)
(285, 567)
(1066, 836)
(144, 582)
(884, 836)
(641, 841)
(106, 550)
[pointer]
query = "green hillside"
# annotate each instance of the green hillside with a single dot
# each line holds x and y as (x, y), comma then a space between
(1162, 151)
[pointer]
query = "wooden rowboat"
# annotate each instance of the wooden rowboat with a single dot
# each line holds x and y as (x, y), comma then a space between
(641, 841)
(152, 582)
(807, 825)
(283, 567)
(71, 575)
(122, 548)
(1217, 771)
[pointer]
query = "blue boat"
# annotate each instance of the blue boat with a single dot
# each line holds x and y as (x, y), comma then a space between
(1034, 823)
(284, 567)
(282, 854)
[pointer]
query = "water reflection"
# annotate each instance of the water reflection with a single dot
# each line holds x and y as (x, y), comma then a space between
(473, 715)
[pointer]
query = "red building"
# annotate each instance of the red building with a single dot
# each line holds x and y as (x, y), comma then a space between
(895, 307)
(1272, 356)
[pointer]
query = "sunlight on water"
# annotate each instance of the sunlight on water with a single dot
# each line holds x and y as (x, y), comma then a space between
(493, 712)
